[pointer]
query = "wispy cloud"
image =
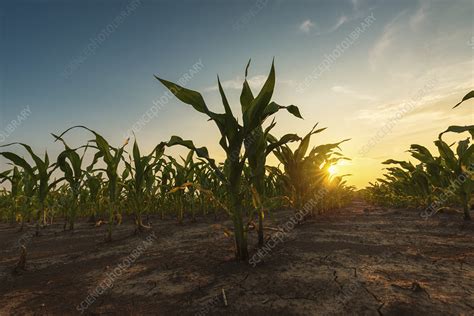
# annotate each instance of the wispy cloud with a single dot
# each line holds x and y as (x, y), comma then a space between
(453, 82)
(306, 26)
(385, 40)
(420, 15)
(353, 94)
(343, 19)
(360, 9)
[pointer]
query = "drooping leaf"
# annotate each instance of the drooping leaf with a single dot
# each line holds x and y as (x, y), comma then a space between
(458, 129)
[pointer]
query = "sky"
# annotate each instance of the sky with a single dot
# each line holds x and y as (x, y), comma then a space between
(383, 73)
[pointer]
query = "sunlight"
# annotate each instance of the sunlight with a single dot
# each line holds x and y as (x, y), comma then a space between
(332, 170)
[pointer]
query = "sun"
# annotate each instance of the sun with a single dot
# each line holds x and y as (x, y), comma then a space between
(332, 170)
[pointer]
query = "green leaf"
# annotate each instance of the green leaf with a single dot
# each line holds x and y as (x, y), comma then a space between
(285, 139)
(187, 96)
(421, 153)
(246, 96)
(447, 155)
(467, 156)
(466, 97)
(253, 115)
(459, 129)
(20, 162)
(303, 147)
(293, 109)
(405, 165)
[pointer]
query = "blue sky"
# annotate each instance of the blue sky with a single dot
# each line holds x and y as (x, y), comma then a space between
(408, 44)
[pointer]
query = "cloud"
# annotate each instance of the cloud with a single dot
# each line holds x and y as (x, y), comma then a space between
(419, 16)
(306, 26)
(385, 40)
(352, 93)
(343, 19)
(452, 83)
(359, 10)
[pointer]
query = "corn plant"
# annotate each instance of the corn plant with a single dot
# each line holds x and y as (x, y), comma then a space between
(139, 187)
(94, 185)
(27, 201)
(112, 157)
(40, 173)
(181, 176)
(70, 163)
(304, 174)
(211, 191)
(449, 175)
(460, 165)
(14, 177)
(420, 185)
(258, 146)
(255, 110)
(187, 187)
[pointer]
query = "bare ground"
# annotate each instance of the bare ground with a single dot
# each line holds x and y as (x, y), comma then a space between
(349, 262)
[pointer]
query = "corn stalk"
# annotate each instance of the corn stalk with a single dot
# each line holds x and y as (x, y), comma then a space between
(255, 110)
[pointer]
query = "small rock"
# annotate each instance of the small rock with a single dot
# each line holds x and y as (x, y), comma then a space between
(416, 287)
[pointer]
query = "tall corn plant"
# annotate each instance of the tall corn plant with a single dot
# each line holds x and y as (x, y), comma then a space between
(112, 157)
(255, 110)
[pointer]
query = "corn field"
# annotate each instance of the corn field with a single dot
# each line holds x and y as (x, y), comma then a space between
(148, 166)
(104, 184)
(432, 182)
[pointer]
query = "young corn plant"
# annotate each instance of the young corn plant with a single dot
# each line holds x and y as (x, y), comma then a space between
(465, 152)
(93, 184)
(26, 200)
(70, 163)
(40, 173)
(14, 177)
(460, 166)
(258, 146)
(112, 157)
(450, 175)
(180, 176)
(139, 187)
(211, 190)
(304, 174)
(409, 181)
(255, 110)
(185, 187)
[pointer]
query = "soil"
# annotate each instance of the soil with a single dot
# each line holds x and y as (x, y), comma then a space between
(358, 260)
